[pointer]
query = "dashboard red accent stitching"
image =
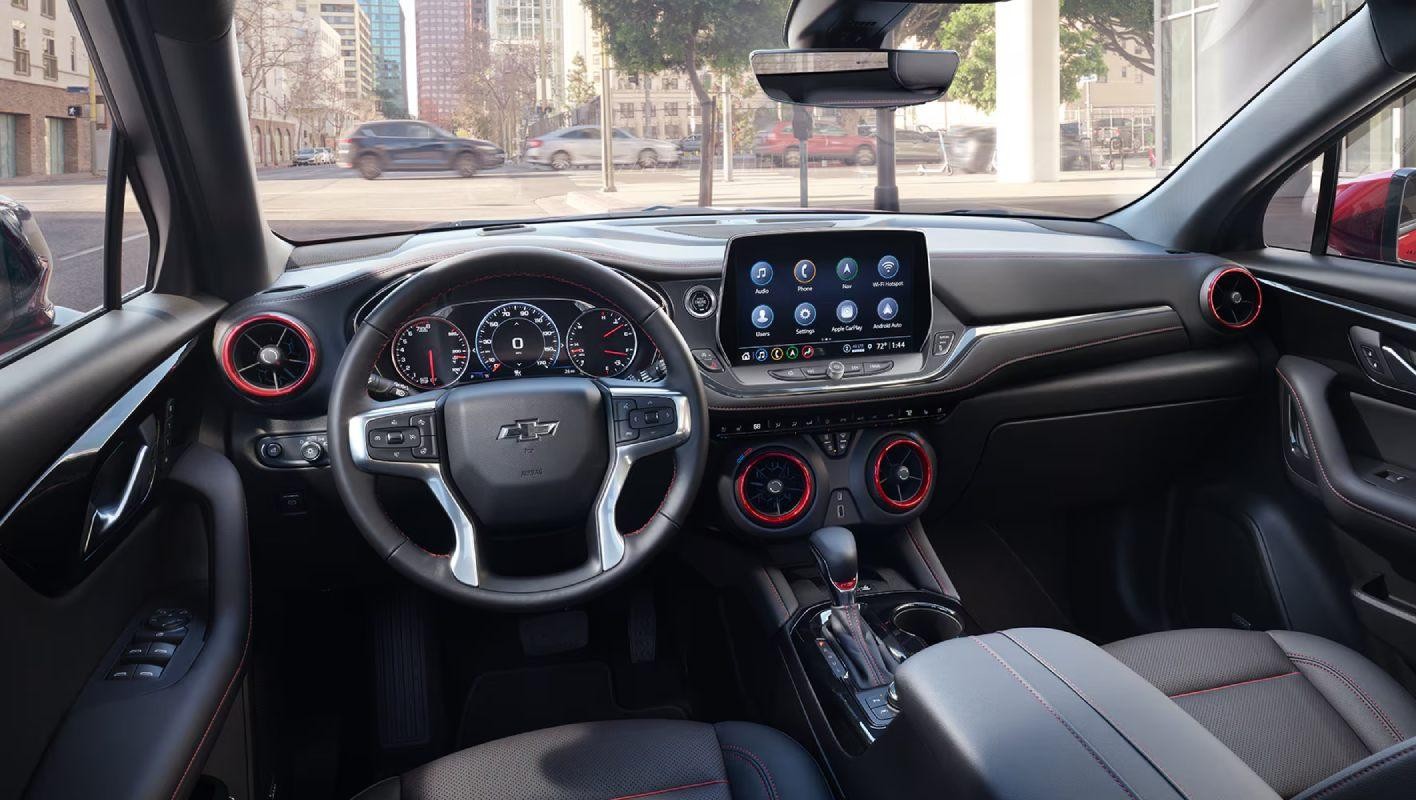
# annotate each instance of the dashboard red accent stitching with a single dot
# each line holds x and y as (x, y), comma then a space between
(972, 383)
(918, 497)
(228, 365)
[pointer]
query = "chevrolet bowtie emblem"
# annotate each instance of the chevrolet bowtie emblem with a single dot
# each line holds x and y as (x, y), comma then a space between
(529, 430)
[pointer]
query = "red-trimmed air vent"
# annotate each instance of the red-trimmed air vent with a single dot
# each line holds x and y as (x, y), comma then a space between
(1232, 297)
(900, 474)
(774, 487)
(268, 356)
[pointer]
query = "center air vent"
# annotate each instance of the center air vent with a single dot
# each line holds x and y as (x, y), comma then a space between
(1232, 297)
(268, 355)
(774, 487)
(900, 474)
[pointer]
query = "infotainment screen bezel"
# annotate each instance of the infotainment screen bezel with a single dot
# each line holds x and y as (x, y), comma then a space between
(922, 298)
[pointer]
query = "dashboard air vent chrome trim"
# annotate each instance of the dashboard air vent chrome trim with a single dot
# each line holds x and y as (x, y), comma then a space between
(774, 487)
(1232, 297)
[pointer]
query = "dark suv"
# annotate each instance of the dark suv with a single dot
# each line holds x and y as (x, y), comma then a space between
(400, 145)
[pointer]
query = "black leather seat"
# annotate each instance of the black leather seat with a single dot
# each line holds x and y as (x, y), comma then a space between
(1296, 708)
(668, 759)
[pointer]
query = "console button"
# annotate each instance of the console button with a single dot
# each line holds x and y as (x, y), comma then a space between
(877, 367)
(943, 342)
(854, 369)
(272, 450)
(788, 374)
(708, 360)
(146, 672)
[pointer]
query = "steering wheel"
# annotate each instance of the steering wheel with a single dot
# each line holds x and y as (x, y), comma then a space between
(526, 454)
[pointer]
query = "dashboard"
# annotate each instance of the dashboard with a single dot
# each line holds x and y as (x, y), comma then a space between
(471, 341)
(926, 341)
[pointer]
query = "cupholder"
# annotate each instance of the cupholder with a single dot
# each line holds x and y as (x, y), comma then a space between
(927, 622)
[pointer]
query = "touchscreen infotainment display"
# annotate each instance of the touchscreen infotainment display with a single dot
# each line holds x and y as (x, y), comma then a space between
(793, 297)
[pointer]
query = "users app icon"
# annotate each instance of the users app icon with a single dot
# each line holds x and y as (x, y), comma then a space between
(887, 308)
(846, 312)
(805, 314)
(888, 267)
(762, 317)
(804, 271)
(761, 273)
(847, 269)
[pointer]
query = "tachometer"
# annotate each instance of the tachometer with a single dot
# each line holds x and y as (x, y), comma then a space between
(430, 352)
(601, 343)
(516, 336)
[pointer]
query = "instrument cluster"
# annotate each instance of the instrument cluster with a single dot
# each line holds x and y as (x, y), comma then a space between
(493, 339)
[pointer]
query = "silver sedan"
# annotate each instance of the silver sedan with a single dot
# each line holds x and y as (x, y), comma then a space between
(580, 145)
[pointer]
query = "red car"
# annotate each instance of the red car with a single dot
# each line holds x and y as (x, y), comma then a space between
(1371, 216)
(827, 142)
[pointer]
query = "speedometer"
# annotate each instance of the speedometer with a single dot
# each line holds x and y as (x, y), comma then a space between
(515, 336)
(430, 352)
(601, 343)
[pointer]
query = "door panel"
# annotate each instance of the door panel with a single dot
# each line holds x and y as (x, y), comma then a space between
(109, 511)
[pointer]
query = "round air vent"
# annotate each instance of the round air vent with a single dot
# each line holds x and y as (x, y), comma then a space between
(1232, 297)
(268, 355)
(774, 487)
(900, 474)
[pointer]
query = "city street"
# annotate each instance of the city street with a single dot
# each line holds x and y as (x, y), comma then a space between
(321, 202)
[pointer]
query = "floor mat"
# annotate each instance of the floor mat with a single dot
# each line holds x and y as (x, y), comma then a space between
(515, 701)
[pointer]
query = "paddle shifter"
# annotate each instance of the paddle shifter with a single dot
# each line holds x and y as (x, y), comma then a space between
(868, 659)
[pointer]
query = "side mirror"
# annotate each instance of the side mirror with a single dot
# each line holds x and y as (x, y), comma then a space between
(855, 78)
(25, 266)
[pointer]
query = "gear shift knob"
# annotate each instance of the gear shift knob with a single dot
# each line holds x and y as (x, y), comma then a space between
(835, 552)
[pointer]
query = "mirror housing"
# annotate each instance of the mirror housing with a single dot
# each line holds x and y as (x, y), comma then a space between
(25, 267)
(1374, 217)
(854, 78)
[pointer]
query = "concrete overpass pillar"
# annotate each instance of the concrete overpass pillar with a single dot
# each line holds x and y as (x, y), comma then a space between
(1029, 94)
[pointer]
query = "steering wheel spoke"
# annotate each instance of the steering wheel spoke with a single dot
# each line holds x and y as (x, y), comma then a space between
(402, 439)
(645, 420)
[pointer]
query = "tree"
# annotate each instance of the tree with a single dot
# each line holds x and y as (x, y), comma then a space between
(499, 84)
(1123, 27)
(970, 31)
(691, 36)
(579, 89)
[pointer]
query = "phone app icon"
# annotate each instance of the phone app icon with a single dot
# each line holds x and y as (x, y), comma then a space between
(762, 317)
(761, 273)
(847, 269)
(805, 314)
(887, 309)
(804, 271)
(777, 354)
(847, 312)
(888, 267)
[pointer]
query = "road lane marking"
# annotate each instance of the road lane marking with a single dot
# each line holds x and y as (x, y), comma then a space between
(90, 251)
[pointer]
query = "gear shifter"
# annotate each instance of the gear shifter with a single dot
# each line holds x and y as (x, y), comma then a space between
(868, 659)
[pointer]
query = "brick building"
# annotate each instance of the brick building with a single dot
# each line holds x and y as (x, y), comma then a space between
(46, 125)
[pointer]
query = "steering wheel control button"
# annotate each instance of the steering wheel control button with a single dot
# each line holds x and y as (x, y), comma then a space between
(625, 432)
(424, 424)
(427, 450)
(707, 360)
(623, 407)
(761, 273)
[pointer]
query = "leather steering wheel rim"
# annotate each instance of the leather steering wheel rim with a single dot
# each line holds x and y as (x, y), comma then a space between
(349, 400)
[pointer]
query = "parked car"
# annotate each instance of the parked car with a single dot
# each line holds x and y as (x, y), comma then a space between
(693, 144)
(324, 155)
(972, 148)
(400, 145)
(305, 157)
(580, 145)
(827, 142)
(918, 147)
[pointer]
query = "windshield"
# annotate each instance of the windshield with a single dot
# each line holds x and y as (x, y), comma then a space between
(446, 111)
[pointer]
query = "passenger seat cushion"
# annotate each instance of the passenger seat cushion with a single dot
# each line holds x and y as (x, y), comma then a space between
(620, 760)
(1296, 708)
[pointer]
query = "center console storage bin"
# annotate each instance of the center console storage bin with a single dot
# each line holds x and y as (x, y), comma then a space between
(1037, 713)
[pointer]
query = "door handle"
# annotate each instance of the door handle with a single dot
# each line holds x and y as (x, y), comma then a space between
(121, 485)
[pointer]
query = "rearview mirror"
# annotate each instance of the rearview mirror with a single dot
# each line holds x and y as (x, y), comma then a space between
(25, 266)
(855, 78)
